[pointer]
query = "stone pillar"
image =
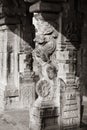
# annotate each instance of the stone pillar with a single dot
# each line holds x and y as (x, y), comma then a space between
(3, 66)
(57, 43)
(71, 38)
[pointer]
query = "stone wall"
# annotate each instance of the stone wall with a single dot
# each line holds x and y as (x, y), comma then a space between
(83, 50)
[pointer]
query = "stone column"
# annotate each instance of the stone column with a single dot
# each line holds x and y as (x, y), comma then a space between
(55, 54)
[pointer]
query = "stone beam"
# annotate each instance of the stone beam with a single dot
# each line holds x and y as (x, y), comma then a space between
(45, 7)
(56, 1)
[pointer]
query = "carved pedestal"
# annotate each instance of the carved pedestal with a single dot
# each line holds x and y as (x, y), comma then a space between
(45, 112)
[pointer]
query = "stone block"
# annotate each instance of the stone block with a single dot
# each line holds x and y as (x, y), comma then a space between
(42, 117)
(9, 20)
(33, 1)
(45, 7)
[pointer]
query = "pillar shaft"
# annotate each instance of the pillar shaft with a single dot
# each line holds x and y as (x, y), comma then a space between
(3, 66)
(55, 55)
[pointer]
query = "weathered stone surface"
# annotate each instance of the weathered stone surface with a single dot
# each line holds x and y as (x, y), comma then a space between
(45, 7)
(2, 102)
(70, 105)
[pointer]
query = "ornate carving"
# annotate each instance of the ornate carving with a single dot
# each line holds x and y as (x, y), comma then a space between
(43, 88)
(45, 41)
(45, 52)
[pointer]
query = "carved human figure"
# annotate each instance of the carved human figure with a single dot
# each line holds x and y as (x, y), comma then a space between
(52, 72)
(57, 84)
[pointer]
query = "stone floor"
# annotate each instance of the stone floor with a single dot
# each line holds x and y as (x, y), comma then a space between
(14, 120)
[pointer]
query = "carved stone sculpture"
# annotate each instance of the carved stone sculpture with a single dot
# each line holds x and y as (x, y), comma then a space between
(55, 56)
